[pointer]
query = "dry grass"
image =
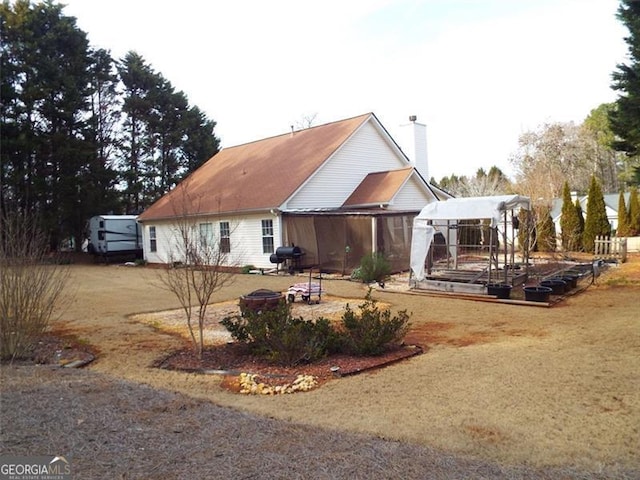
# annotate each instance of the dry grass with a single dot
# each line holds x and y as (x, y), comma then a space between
(503, 392)
(123, 430)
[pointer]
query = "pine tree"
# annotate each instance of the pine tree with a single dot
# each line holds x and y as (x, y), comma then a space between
(62, 134)
(139, 79)
(623, 217)
(164, 138)
(596, 223)
(634, 212)
(45, 87)
(569, 222)
(625, 121)
(546, 231)
(578, 247)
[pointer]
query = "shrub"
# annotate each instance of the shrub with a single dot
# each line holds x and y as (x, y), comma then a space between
(374, 268)
(32, 284)
(281, 338)
(372, 331)
(596, 223)
(247, 269)
(356, 274)
(570, 227)
(546, 239)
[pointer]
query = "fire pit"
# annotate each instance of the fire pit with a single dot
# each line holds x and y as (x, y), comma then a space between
(260, 300)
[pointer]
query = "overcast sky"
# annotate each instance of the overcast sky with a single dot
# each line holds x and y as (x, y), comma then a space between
(478, 73)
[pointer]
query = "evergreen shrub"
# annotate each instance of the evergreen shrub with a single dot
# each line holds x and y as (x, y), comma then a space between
(280, 337)
(372, 331)
(374, 268)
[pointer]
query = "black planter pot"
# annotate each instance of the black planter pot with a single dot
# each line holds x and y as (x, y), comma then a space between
(500, 290)
(537, 294)
(567, 282)
(557, 286)
(572, 281)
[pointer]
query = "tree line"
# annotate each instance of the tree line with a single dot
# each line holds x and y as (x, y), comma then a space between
(84, 133)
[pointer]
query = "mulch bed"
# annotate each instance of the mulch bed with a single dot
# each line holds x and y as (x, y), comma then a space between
(60, 349)
(231, 359)
(228, 359)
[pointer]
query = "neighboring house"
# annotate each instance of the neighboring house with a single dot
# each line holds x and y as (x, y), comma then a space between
(338, 191)
(610, 202)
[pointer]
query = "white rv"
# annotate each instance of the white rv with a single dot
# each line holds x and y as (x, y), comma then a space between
(111, 235)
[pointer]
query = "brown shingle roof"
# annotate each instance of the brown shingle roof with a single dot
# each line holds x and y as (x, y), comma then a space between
(378, 188)
(255, 176)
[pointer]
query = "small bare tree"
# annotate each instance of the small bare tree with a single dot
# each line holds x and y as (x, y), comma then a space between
(196, 265)
(306, 121)
(32, 284)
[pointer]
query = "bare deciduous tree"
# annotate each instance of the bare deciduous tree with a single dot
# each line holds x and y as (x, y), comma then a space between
(306, 121)
(482, 184)
(196, 265)
(32, 284)
(559, 152)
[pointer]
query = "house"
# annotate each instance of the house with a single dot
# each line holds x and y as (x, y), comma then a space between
(337, 191)
(610, 203)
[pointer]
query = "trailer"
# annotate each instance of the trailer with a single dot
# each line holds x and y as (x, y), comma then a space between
(115, 235)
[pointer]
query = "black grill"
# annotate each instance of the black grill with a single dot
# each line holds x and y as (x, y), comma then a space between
(290, 255)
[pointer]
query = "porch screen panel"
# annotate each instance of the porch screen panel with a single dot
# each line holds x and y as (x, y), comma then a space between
(302, 233)
(396, 240)
(359, 240)
(331, 236)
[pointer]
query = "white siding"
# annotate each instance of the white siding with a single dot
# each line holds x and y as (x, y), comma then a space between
(412, 196)
(367, 151)
(162, 244)
(245, 239)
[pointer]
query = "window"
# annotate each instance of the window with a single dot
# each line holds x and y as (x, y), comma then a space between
(267, 236)
(206, 234)
(225, 237)
(153, 245)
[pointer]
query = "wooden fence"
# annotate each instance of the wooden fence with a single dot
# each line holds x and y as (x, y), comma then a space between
(611, 248)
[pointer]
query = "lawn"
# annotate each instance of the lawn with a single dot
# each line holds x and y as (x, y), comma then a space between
(512, 388)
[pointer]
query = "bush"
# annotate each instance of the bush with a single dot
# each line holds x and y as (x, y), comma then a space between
(546, 239)
(32, 284)
(373, 331)
(281, 338)
(247, 269)
(373, 268)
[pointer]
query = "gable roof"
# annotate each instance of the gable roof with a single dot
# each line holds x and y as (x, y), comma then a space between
(378, 188)
(255, 176)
